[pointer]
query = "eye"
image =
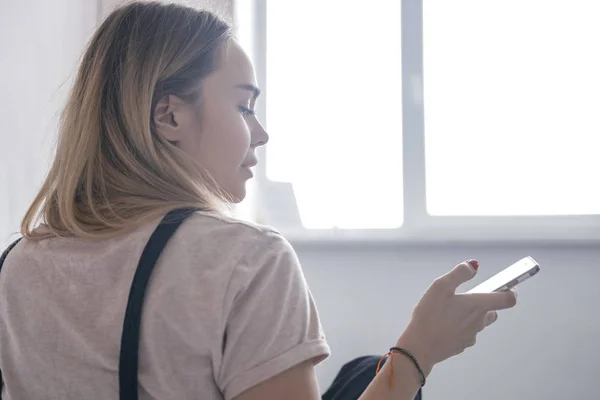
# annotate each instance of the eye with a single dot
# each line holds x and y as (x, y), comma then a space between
(246, 111)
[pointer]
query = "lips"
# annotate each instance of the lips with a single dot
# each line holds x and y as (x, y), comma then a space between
(250, 164)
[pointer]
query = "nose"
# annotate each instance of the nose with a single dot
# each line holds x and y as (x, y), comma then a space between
(260, 137)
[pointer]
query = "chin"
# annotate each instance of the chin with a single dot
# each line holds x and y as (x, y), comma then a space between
(236, 196)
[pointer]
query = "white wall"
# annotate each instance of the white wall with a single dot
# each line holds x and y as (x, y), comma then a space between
(223, 8)
(547, 348)
(41, 42)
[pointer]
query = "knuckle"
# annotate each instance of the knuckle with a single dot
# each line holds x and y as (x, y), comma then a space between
(458, 350)
(439, 283)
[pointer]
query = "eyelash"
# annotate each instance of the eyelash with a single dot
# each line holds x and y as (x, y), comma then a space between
(246, 111)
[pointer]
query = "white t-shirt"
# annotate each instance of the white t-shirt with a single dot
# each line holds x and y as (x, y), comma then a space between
(226, 308)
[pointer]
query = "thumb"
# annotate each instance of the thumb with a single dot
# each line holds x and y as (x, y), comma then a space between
(460, 274)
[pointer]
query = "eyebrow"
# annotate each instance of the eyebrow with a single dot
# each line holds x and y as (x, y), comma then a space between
(247, 86)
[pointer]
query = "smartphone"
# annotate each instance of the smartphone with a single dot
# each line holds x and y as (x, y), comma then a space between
(509, 277)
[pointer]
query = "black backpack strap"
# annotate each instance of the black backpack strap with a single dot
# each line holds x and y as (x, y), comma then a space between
(2, 258)
(8, 249)
(128, 359)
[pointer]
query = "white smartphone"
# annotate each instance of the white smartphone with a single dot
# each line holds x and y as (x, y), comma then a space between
(509, 277)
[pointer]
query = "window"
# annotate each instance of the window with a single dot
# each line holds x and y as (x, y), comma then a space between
(334, 111)
(512, 100)
(353, 177)
(428, 119)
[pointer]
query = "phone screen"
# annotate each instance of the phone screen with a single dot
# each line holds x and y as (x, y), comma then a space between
(509, 277)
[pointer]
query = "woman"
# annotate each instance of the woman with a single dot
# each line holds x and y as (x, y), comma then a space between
(161, 122)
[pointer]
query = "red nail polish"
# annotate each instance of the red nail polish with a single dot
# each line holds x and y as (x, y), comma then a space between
(474, 264)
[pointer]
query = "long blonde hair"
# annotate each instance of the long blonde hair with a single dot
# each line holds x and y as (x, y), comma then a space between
(112, 171)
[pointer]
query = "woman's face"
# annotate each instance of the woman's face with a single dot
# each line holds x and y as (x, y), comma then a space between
(221, 131)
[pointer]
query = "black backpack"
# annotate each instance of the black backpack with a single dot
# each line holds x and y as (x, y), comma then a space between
(353, 379)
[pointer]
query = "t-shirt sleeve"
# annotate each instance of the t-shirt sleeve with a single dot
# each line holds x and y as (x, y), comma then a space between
(273, 323)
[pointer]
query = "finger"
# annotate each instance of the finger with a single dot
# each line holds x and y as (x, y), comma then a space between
(471, 342)
(493, 301)
(490, 318)
(460, 274)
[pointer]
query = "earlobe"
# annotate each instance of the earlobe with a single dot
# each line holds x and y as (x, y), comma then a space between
(165, 121)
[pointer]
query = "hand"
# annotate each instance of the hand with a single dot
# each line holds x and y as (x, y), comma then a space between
(445, 323)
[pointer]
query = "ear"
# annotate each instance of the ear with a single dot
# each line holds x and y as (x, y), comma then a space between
(165, 121)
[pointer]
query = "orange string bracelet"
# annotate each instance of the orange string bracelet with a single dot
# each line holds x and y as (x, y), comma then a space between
(391, 372)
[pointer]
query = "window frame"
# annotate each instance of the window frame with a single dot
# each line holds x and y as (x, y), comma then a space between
(418, 225)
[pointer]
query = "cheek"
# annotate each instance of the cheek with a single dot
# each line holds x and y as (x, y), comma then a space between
(240, 139)
(223, 146)
(233, 141)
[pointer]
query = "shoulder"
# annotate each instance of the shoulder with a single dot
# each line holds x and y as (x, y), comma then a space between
(232, 238)
(223, 224)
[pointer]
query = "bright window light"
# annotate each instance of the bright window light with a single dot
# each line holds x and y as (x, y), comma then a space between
(334, 110)
(512, 107)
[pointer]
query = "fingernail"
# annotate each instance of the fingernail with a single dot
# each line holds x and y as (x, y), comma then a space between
(514, 292)
(474, 264)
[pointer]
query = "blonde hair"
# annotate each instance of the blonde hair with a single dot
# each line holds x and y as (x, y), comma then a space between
(112, 171)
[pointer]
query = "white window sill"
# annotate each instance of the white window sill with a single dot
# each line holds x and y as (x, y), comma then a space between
(444, 237)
